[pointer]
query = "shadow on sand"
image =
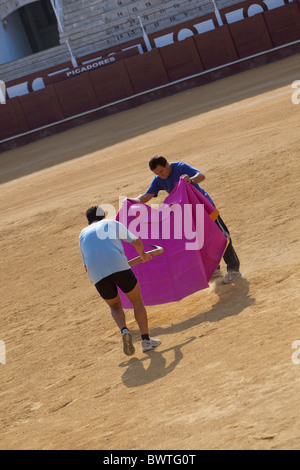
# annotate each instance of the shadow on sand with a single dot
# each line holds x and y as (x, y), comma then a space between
(136, 374)
(232, 300)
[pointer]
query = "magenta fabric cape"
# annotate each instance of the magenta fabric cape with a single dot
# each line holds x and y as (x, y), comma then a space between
(178, 272)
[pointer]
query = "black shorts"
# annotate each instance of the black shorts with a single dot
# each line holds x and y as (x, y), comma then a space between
(107, 287)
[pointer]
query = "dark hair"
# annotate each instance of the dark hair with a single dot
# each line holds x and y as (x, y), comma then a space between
(155, 161)
(94, 213)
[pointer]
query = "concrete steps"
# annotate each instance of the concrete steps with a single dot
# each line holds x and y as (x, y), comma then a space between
(34, 63)
(111, 24)
(94, 25)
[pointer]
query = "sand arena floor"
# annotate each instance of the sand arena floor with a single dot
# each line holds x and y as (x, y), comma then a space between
(226, 375)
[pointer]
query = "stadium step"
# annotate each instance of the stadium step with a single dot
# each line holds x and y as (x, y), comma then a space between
(92, 26)
(34, 63)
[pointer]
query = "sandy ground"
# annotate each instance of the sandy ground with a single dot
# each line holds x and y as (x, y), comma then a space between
(224, 376)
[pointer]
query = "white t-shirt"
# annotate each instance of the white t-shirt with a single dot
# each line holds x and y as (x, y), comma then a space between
(102, 250)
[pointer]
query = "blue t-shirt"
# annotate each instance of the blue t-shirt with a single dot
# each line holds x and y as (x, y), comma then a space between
(102, 250)
(168, 184)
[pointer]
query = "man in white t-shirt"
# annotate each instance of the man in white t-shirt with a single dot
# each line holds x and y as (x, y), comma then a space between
(107, 267)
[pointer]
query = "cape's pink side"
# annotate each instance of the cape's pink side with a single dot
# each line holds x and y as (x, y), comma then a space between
(177, 272)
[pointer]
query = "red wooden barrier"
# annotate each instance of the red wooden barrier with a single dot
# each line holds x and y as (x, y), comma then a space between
(181, 59)
(76, 95)
(146, 71)
(111, 83)
(283, 24)
(41, 107)
(216, 47)
(250, 36)
(12, 118)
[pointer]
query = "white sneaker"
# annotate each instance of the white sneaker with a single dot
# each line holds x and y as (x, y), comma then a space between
(231, 276)
(127, 344)
(152, 343)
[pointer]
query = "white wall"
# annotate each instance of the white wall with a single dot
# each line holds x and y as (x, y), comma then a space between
(13, 40)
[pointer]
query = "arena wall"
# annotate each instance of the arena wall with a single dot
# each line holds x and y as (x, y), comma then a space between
(67, 92)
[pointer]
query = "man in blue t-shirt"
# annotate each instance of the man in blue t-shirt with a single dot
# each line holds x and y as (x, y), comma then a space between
(107, 267)
(167, 175)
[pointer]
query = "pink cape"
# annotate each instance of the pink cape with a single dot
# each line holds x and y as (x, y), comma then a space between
(178, 271)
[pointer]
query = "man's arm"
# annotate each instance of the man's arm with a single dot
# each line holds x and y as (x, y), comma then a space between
(138, 245)
(82, 255)
(197, 178)
(143, 198)
(129, 237)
